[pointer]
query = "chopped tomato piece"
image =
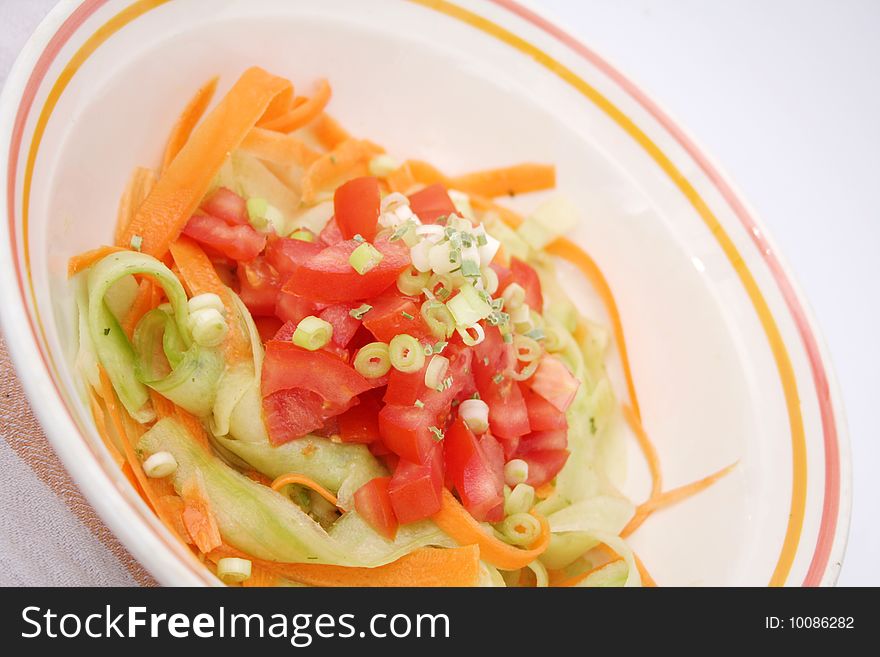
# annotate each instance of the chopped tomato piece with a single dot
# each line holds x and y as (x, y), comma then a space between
(329, 277)
(539, 441)
(330, 234)
(554, 382)
(259, 284)
(405, 389)
(373, 504)
(293, 413)
(360, 423)
(288, 366)
(239, 242)
(475, 469)
(392, 315)
(543, 416)
(356, 207)
(226, 205)
(544, 465)
(526, 276)
(293, 308)
(286, 254)
(267, 327)
(493, 360)
(431, 203)
(344, 325)
(405, 430)
(416, 488)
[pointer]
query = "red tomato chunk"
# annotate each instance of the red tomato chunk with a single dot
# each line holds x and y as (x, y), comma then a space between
(373, 502)
(356, 206)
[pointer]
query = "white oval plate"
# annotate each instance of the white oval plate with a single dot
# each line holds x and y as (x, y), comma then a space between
(726, 358)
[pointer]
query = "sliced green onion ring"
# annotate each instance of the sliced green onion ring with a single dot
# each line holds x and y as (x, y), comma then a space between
(438, 318)
(527, 349)
(406, 353)
(435, 371)
(373, 360)
(312, 333)
(411, 281)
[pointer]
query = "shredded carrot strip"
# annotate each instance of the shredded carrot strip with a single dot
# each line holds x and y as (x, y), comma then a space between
(139, 186)
(173, 507)
(670, 497)
(347, 160)
(401, 180)
(190, 116)
(648, 450)
(144, 302)
(329, 132)
(198, 518)
(425, 567)
(260, 578)
(83, 261)
(427, 174)
(279, 106)
(302, 114)
(647, 581)
(544, 491)
(101, 424)
(577, 579)
(199, 277)
(568, 250)
(302, 480)
(461, 526)
(507, 181)
(177, 194)
(165, 408)
(278, 147)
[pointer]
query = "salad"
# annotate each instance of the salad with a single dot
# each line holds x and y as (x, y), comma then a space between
(323, 366)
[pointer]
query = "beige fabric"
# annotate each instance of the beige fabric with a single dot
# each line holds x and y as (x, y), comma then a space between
(49, 533)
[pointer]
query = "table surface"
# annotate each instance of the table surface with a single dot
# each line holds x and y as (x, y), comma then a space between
(785, 95)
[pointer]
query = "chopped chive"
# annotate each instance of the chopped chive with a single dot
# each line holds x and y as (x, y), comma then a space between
(481, 240)
(360, 311)
(470, 268)
(419, 403)
(447, 382)
(359, 238)
(439, 347)
(498, 378)
(438, 435)
(407, 315)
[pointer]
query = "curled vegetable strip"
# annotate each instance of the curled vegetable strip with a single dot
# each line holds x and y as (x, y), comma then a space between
(112, 347)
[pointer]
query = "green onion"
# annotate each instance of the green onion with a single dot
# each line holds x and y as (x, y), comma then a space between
(406, 353)
(436, 370)
(205, 300)
(514, 295)
(438, 318)
(439, 347)
(312, 333)
(410, 282)
(359, 238)
(406, 315)
(160, 464)
(467, 338)
(490, 282)
(527, 349)
(419, 403)
(475, 414)
(521, 528)
(519, 500)
(233, 570)
(516, 472)
(498, 378)
(208, 327)
(303, 235)
(441, 285)
(360, 311)
(364, 258)
(470, 268)
(438, 434)
(136, 242)
(372, 360)
(526, 372)
(468, 307)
